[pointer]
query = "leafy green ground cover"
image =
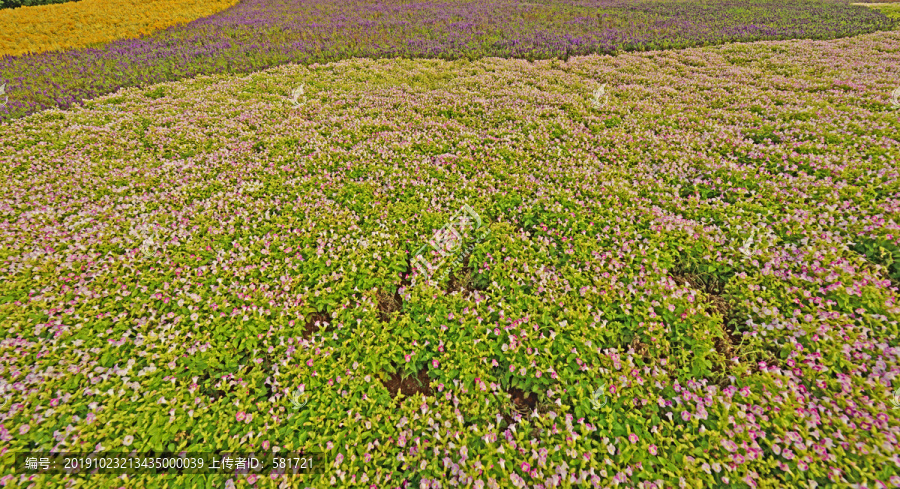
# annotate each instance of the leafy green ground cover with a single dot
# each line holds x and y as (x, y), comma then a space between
(716, 244)
(891, 10)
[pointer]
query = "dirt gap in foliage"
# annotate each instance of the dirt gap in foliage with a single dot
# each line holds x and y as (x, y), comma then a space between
(314, 323)
(525, 402)
(714, 290)
(419, 383)
(463, 279)
(388, 304)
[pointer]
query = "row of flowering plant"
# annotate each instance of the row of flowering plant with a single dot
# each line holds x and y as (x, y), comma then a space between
(60, 55)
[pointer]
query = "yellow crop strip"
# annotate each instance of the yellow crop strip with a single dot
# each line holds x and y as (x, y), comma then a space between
(92, 22)
(891, 10)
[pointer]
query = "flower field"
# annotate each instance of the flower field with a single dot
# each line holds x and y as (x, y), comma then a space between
(689, 282)
(86, 22)
(259, 34)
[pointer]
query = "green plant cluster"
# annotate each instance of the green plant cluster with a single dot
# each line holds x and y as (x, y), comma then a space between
(721, 258)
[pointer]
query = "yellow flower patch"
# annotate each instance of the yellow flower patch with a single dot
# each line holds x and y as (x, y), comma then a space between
(95, 22)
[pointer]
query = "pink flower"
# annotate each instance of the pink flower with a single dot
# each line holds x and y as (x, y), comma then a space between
(24, 429)
(633, 438)
(240, 416)
(434, 363)
(685, 415)
(652, 449)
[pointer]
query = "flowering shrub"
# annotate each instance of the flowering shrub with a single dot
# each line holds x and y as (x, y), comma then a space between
(92, 22)
(713, 246)
(258, 34)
